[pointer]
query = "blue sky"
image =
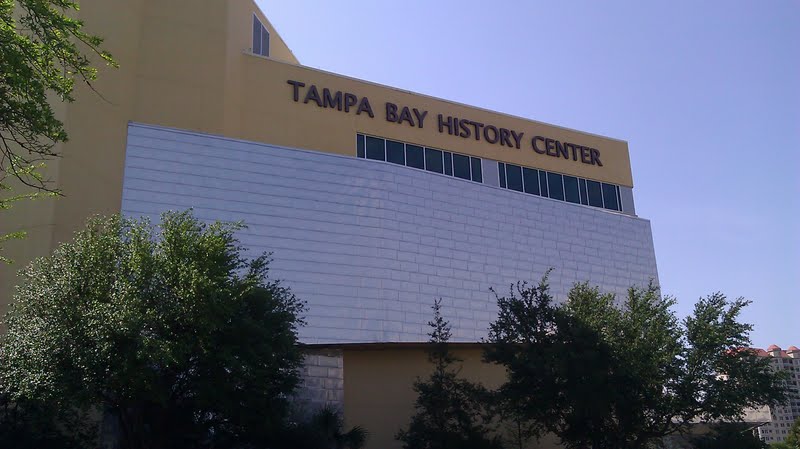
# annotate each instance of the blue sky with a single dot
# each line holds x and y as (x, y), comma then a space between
(707, 94)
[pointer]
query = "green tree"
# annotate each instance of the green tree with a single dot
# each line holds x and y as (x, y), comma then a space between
(171, 332)
(323, 430)
(451, 413)
(793, 437)
(558, 371)
(621, 376)
(30, 424)
(43, 52)
(730, 436)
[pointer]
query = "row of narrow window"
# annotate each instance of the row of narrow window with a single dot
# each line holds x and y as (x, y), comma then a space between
(513, 177)
(423, 158)
(559, 187)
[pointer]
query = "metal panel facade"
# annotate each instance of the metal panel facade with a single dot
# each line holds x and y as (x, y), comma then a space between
(370, 245)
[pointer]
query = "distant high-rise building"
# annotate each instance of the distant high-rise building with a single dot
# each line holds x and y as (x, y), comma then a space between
(783, 416)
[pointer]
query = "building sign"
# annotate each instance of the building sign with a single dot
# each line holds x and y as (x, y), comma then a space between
(464, 128)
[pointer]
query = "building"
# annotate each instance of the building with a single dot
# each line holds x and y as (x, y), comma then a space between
(782, 416)
(373, 200)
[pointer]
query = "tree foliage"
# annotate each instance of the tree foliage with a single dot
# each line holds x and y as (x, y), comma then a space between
(451, 412)
(323, 430)
(793, 437)
(729, 436)
(178, 338)
(558, 370)
(29, 424)
(43, 52)
(607, 375)
(780, 445)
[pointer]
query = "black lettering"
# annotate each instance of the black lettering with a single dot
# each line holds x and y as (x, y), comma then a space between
(465, 132)
(560, 150)
(364, 106)
(478, 126)
(330, 102)
(420, 117)
(494, 138)
(296, 85)
(574, 150)
(504, 137)
(550, 145)
(448, 124)
(536, 147)
(391, 112)
(349, 101)
(517, 138)
(313, 95)
(595, 157)
(405, 115)
(585, 156)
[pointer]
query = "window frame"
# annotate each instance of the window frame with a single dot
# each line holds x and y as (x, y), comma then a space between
(367, 148)
(558, 180)
(613, 193)
(575, 191)
(515, 170)
(410, 147)
(534, 188)
(402, 148)
(433, 151)
(263, 29)
(590, 183)
(461, 158)
(476, 169)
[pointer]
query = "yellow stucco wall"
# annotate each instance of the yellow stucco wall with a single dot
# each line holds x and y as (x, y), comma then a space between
(190, 67)
(378, 388)
(179, 66)
(273, 115)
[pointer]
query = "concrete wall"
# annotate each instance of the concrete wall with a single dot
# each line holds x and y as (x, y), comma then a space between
(370, 245)
(322, 380)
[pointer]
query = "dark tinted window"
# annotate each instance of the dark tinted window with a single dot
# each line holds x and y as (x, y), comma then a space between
(584, 196)
(395, 152)
(433, 160)
(461, 166)
(256, 36)
(595, 193)
(415, 156)
(554, 186)
(571, 189)
(264, 42)
(360, 145)
(610, 196)
(260, 38)
(477, 174)
(514, 177)
(531, 178)
(375, 149)
(543, 182)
